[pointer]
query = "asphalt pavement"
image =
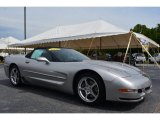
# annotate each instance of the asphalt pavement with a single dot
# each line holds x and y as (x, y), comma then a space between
(33, 99)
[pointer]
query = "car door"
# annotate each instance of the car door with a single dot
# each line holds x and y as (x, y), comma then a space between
(42, 73)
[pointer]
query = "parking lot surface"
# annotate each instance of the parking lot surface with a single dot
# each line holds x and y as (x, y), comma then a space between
(33, 99)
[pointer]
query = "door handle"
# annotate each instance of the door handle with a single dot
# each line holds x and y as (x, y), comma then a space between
(27, 62)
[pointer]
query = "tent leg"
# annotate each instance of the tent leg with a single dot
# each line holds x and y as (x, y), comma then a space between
(65, 44)
(127, 47)
(90, 47)
(100, 43)
(25, 51)
(59, 43)
(96, 54)
(148, 53)
(130, 56)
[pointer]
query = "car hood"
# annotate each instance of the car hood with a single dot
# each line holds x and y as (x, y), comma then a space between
(120, 69)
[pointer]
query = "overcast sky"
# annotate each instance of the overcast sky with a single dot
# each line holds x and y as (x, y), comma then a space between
(42, 19)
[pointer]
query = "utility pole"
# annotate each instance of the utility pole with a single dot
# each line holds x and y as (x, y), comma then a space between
(25, 26)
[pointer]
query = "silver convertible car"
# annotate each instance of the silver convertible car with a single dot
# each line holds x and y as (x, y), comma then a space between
(67, 70)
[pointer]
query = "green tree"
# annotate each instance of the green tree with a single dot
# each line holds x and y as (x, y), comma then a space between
(153, 33)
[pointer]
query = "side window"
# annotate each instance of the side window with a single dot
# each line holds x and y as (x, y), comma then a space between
(46, 55)
(37, 53)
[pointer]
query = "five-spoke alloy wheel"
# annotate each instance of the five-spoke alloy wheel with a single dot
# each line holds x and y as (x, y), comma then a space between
(15, 76)
(90, 88)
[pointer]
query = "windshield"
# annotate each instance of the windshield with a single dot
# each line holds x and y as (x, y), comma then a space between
(68, 55)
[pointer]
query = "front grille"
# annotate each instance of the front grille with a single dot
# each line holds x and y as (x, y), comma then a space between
(130, 98)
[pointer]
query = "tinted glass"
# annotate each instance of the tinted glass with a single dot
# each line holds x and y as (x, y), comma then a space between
(46, 55)
(37, 53)
(68, 55)
(41, 53)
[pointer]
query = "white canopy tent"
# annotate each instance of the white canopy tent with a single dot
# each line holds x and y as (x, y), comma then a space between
(5, 42)
(9, 40)
(96, 35)
(146, 40)
(3, 46)
(99, 33)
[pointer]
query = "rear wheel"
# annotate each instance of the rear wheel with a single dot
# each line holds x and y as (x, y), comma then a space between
(14, 76)
(90, 89)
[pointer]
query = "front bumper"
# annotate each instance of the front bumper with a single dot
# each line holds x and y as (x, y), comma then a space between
(142, 85)
(135, 97)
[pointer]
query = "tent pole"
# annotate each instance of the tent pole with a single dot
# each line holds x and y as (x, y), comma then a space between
(115, 42)
(127, 47)
(129, 56)
(65, 43)
(148, 52)
(100, 43)
(59, 43)
(90, 46)
(25, 50)
(68, 44)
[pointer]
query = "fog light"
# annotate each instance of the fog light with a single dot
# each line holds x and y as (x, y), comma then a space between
(127, 90)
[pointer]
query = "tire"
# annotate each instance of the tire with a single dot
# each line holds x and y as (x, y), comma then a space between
(15, 76)
(90, 89)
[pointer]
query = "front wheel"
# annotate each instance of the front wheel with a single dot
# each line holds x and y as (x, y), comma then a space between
(90, 89)
(14, 76)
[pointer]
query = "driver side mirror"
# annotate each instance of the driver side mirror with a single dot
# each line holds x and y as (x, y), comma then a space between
(43, 59)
